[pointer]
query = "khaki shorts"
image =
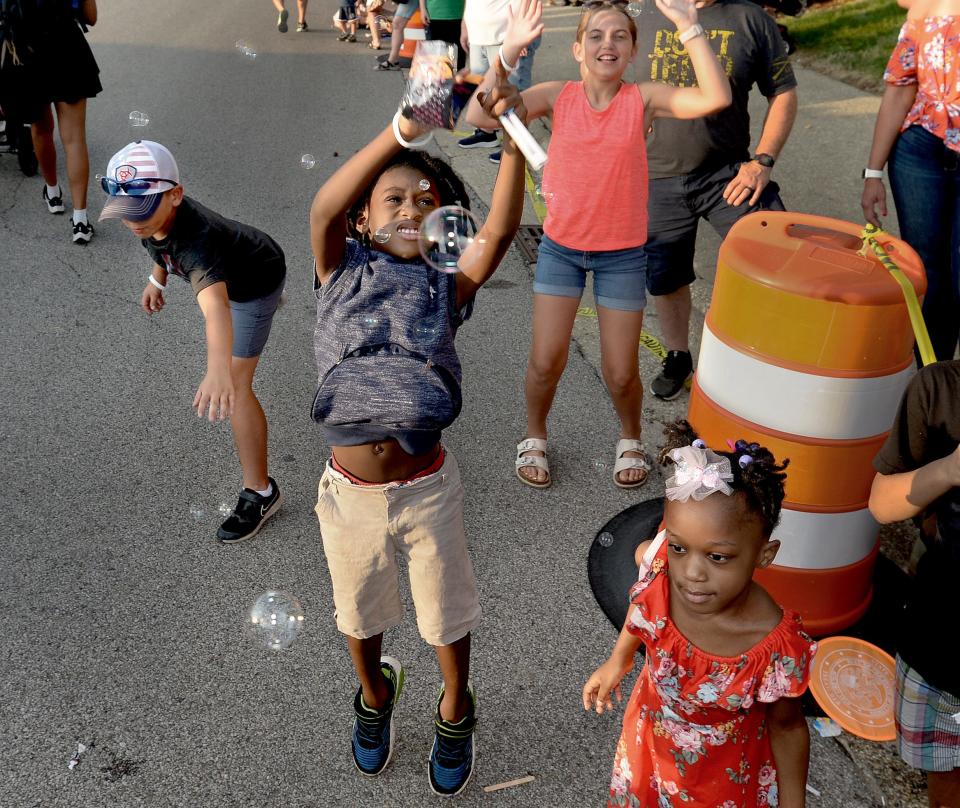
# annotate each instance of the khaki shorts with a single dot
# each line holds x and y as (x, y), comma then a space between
(363, 527)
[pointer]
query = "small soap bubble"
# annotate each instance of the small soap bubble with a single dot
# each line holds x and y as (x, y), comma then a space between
(382, 236)
(138, 118)
(424, 185)
(224, 510)
(247, 50)
(445, 235)
(425, 331)
(276, 619)
(605, 539)
(197, 513)
(308, 161)
(634, 9)
(599, 465)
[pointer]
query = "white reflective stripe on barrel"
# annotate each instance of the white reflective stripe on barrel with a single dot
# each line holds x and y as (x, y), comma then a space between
(804, 404)
(817, 541)
(414, 33)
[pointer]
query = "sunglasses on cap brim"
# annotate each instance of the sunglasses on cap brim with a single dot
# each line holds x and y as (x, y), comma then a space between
(137, 187)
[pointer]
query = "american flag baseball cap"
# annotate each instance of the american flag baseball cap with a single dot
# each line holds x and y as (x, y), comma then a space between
(136, 177)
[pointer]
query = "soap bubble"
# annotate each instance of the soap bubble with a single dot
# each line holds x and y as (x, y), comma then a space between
(445, 235)
(224, 510)
(247, 50)
(424, 184)
(240, 44)
(276, 619)
(382, 236)
(196, 511)
(308, 161)
(138, 118)
(605, 539)
(634, 9)
(599, 465)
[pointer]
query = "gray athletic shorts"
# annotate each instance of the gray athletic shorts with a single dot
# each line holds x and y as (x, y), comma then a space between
(251, 323)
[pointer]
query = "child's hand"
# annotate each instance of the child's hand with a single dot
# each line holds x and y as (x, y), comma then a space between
(523, 28)
(215, 396)
(604, 681)
(152, 299)
(503, 97)
(410, 130)
(682, 13)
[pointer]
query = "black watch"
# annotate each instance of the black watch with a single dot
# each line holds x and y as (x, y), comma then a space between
(764, 159)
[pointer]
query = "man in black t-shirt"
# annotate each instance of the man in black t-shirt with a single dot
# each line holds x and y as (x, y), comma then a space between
(237, 273)
(702, 168)
(919, 475)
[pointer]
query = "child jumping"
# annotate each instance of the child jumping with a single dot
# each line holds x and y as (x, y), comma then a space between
(595, 184)
(389, 384)
(237, 273)
(919, 475)
(714, 719)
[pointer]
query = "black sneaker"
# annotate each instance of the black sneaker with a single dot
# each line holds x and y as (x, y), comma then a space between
(454, 752)
(282, 21)
(54, 204)
(82, 232)
(302, 26)
(352, 38)
(248, 517)
(373, 730)
(494, 157)
(479, 140)
(677, 368)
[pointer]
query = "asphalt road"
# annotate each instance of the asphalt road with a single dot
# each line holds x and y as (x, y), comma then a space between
(123, 620)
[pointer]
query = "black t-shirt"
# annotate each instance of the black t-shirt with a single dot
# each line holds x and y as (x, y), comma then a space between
(927, 428)
(205, 248)
(751, 51)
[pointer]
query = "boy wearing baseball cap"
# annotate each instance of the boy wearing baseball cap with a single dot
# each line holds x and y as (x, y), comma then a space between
(237, 273)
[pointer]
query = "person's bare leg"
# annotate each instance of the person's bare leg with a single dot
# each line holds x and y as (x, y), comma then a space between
(278, 5)
(72, 119)
(249, 425)
(366, 662)
(619, 344)
(553, 317)
(943, 789)
(41, 132)
(396, 40)
(302, 11)
(673, 312)
(454, 662)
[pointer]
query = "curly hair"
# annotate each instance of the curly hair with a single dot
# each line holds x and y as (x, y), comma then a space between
(451, 189)
(760, 478)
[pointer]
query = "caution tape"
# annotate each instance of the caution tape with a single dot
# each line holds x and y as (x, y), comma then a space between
(870, 236)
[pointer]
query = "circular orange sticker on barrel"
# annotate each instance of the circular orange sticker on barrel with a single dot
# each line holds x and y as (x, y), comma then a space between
(854, 682)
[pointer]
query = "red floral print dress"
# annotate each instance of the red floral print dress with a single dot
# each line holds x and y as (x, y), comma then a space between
(694, 732)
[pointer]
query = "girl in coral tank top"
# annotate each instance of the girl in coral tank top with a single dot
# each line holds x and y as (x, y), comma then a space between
(595, 186)
(714, 720)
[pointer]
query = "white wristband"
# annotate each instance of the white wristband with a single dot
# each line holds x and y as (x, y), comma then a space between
(694, 30)
(506, 65)
(412, 144)
(155, 282)
(872, 174)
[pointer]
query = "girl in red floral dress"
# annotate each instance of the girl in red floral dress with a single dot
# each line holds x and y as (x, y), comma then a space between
(714, 719)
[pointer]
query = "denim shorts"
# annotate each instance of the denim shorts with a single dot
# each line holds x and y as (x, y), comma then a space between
(251, 323)
(347, 12)
(676, 205)
(405, 10)
(619, 276)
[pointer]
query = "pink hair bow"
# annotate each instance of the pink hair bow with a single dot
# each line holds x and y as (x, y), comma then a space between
(698, 473)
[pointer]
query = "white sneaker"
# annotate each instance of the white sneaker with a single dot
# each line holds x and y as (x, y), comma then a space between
(82, 232)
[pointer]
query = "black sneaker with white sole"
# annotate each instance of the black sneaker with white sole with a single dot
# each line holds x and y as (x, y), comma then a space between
(54, 204)
(480, 139)
(248, 517)
(82, 232)
(282, 21)
(677, 368)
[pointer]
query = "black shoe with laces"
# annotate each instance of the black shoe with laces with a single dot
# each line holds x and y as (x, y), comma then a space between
(677, 368)
(54, 204)
(453, 754)
(82, 232)
(248, 517)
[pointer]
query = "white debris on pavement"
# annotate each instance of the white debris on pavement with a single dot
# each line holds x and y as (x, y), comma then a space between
(510, 783)
(827, 727)
(75, 760)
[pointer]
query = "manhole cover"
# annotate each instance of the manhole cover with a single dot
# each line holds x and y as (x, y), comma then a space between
(528, 240)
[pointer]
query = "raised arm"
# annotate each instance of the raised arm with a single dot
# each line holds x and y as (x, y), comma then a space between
(328, 213)
(713, 91)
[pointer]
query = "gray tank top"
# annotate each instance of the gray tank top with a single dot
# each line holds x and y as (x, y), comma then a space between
(384, 344)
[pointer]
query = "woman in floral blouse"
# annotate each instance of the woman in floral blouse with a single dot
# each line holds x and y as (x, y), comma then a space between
(714, 720)
(918, 130)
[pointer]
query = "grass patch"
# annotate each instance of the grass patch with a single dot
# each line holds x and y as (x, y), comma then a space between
(850, 41)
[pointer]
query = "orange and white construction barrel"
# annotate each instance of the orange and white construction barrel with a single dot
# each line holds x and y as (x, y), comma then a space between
(807, 348)
(413, 32)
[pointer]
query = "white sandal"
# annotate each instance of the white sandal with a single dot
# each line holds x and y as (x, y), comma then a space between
(536, 461)
(622, 463)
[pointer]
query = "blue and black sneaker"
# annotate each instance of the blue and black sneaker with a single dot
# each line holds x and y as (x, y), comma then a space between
(373, 731)
(453, 753)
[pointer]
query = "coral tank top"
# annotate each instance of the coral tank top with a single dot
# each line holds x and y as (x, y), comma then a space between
(595, 179)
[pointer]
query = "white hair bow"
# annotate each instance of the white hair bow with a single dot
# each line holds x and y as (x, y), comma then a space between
(698, 473)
